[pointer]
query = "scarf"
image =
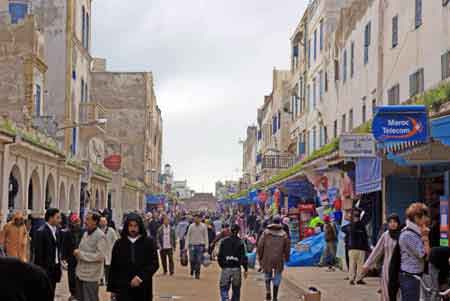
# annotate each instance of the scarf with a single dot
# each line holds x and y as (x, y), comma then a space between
(394, 234)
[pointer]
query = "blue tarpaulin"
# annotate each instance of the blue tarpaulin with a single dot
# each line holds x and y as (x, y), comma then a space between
(310, 257)
(440, 129)
(155, 199)
(246, 201)
(368, 175)
(301, 189)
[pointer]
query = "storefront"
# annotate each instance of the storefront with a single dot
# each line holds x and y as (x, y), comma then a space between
(417, 168)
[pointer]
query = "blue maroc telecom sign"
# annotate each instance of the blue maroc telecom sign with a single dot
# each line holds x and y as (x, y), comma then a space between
(400, 124)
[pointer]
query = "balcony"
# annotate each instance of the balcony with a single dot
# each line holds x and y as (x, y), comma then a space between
(277, 162)
(90, 114)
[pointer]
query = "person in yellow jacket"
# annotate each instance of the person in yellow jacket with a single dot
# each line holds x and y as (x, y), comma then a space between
(16, 237)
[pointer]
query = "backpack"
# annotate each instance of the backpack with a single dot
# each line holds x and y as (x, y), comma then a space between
(394, 269)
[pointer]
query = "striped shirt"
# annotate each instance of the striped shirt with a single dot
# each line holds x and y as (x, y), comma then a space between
(412, 250)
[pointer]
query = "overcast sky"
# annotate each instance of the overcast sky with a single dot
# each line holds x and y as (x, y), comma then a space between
(212, 61)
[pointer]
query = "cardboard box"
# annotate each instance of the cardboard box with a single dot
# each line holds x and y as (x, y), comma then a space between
(312, 296)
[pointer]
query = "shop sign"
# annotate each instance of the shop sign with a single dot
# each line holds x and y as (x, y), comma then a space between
(356, 146)
(401, 124)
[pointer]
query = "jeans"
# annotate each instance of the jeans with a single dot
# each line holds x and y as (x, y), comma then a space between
(274, 277)
(230, 277)
(182, 244)
(409, 288)
(196, 257)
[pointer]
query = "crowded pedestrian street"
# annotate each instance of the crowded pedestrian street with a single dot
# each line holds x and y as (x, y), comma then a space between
(224, 150)
(182, 287)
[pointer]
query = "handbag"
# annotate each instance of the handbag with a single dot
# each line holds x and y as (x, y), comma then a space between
(184, 258)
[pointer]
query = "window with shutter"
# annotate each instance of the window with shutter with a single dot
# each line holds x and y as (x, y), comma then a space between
(326, 81)
(364, 117)
(336, 69)
(367, 40)
(394, 31)
(37, 104)
(418, 13)
(314, 94)
(315, 44)
(352, 59)
(445, 62)
(335, 129)
(416, 83)
(350, 120)
(321, 35)
(394, 95)
(344, 124)
(320, 84)
(344, 66)
(82, 90)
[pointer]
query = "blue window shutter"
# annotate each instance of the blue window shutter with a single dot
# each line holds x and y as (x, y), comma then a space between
(418, 17)
(74, 141)
(321, 35)
(17, 11)
(295, 51)
(38, 101)
(82, 90)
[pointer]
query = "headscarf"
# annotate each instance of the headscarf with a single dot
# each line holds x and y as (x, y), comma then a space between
(394, 234)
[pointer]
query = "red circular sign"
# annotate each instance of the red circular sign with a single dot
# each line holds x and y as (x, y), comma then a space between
(113, 162)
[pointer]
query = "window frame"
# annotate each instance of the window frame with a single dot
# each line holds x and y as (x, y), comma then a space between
(395, 31)
(417, 82)
(38, 100)
(394, 95)
(418, 13)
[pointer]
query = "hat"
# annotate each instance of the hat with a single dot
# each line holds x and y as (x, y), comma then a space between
(326, 219)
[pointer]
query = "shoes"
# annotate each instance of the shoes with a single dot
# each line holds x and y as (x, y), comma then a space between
(171, 274)
(197, 276)
(268, 297)
(361, 282)
(352, 282)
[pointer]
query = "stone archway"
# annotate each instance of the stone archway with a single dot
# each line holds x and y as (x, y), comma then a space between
(62, 197)
(72, 199)
(15, 189)
(50, 193)
(34, 191)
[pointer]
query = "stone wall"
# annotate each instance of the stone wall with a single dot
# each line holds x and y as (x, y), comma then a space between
(18, 51)
(124, 97)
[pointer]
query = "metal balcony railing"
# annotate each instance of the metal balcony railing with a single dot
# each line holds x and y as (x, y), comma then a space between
(277, 162)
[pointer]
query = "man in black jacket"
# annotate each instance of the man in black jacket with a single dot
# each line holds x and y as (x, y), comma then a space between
(357, 244)
(47, 252)
(134, 262)
(71, 238)
(231, 257)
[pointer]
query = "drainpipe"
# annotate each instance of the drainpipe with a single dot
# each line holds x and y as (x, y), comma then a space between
(380, 84)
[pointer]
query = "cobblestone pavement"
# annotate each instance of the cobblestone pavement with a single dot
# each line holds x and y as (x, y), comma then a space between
(184, 288)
